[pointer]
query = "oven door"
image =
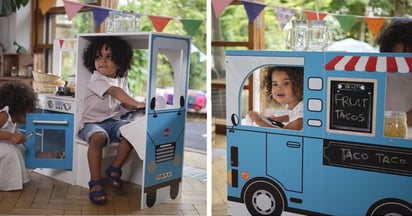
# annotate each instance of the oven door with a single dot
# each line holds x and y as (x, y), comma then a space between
(49, 142)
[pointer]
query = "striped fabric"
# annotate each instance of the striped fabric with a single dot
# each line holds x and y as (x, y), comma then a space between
(371, 64)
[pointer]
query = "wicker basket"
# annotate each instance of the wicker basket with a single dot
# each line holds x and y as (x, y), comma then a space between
(45, 78)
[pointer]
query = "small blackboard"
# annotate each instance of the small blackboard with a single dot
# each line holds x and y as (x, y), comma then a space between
(351, 105)
(363, 156)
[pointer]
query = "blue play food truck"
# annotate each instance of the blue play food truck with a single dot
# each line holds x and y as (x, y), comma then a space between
(340, 162)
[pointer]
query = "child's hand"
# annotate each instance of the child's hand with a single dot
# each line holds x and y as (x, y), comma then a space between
(141, 105)
(17, 138)
(254, 116)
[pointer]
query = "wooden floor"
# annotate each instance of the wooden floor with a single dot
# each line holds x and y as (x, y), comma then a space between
(219, 190)
(46, 196)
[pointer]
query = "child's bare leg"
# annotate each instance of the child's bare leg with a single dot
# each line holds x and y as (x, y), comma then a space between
(94, 157)
(123, 150)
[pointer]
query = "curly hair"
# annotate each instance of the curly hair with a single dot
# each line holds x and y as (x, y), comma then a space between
(399, 31)
(295, 75)
(122, 53)
(18, 96)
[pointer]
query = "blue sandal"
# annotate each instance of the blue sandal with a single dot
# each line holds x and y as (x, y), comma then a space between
(94, 194)
(115, 181)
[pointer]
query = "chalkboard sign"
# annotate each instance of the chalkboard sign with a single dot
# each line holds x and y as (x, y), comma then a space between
(368, 157)
(351, 105)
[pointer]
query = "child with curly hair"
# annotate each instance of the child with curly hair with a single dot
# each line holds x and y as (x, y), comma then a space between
(108, 59)
(16, 99)
(285, 86)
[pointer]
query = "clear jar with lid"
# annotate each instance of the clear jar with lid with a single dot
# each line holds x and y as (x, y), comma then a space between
(297, 37)
(395, 124)
(319, 35)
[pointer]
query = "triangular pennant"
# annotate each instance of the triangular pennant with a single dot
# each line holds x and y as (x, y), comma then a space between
(72, 43)
(375, 24)
(159, 22)
(253, 9)
(313, 15)
(346, 22)
(99, 14)
(45, 5)
(283, 15)
(219, 6)
(61, 42)
(72, 8)
(191, 25)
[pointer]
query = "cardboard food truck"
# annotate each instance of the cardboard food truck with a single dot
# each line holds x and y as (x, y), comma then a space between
(340, 162)
(156, 133)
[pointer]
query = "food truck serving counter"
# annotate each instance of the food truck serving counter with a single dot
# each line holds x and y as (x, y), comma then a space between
(342, 162)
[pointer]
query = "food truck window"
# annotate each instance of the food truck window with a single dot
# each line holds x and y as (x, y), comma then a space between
(276, 88)
(398, 102)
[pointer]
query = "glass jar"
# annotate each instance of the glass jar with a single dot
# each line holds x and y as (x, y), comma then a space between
(128, 21)
(108, 23)
(319, 36)
(116, 21)
(297, 37)
(395, 124)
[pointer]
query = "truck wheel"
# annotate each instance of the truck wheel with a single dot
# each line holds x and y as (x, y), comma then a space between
(150, 198)
(391, 208)
(174, 190)
(263, 198)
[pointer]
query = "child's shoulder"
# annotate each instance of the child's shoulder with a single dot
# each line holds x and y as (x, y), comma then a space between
(4, 117)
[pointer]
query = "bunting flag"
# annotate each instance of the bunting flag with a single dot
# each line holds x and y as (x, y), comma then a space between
(45, 5)
(346, 22)
(72, 8)
(220, 5)
(312, 15)
(100, 14)
(191, 25)
(375, 24)
(61, 42)
(283, 15)
(159, 22)
(253, 9)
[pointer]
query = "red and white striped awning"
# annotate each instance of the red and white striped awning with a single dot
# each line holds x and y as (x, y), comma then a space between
(371, 64)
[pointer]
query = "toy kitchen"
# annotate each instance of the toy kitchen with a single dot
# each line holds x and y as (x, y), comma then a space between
(157, 135)
(50, 128)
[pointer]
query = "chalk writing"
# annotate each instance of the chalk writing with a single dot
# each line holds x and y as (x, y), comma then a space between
(367, 157)
(351, 105)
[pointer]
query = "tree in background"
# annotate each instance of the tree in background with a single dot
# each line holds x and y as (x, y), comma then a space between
(190, 9)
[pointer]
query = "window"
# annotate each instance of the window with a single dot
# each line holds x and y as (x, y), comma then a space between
(55, 24)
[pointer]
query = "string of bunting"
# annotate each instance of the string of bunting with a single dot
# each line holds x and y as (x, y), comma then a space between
(191, 26)
(284, 14)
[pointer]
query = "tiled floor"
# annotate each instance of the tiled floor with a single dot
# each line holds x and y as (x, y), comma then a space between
(46, 196)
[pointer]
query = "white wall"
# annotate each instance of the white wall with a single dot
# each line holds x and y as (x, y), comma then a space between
(16, 27)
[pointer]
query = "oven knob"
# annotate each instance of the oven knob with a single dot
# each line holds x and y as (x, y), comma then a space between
(50, 103)
(67, 106)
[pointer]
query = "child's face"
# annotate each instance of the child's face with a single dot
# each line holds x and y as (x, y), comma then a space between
(282, 90)
(104, 62)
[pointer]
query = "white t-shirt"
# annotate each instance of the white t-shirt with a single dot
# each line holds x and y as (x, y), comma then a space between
(99, 106)
(296, 112)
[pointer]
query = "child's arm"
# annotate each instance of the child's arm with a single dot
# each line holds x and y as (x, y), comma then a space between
(127, 101)
(283, 118)
(14, 138)
(255, 117)
(295, 125)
